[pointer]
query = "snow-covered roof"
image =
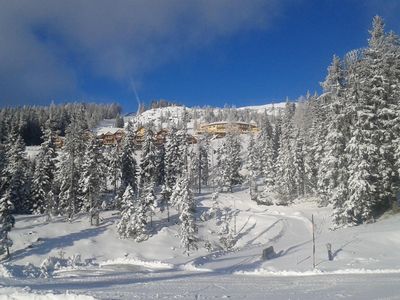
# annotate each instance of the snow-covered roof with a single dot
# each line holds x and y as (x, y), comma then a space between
(226, 122)
(104, 130)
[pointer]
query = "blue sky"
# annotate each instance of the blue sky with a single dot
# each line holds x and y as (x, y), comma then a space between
(193, 52)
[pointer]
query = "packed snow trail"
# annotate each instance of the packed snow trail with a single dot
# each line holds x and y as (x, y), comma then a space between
(285, 232)
(125, 284)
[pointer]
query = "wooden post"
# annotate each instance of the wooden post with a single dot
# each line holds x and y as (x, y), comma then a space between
(329, 248)
(234, 216)
(313, 240)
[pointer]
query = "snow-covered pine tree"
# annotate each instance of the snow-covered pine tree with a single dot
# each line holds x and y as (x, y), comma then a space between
(70, 162)
(264, 147)
(298, 162)
(148, 162)
(113, 158)
(17, 174)
(362, 152)
(160, 173)
(92, 179)
(119, 122)
(204, 149)
(3, 164)
(285, 183)
(333, 180)
(148, 174)
(383, 58)
(200, 163)
(44, 172)
(230, 162)
(128, 161)
(186, 203)
(314, 145)
(6, 222)
(133, 218)
(174, 163)
(147, 200)
(253, 162)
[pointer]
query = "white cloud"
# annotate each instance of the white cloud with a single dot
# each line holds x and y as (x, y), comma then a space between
(44, 44)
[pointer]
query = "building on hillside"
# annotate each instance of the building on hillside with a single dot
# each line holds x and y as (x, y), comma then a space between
(160, 137)
(59, 141)
(139, 135)
(111, 136)
(220, 129)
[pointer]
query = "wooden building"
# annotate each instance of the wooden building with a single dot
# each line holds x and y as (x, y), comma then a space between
(220, 129)
(112, 136)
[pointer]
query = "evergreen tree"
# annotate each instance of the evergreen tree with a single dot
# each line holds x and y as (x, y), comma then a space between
(333, 181)
(114, 167)
(71, 161)
(298, 163)
(200, 163)
(3, 164)
(128, 161)
(372, 175)
(92, 179)
(148, 162)
(44, 172)
(17, 174)
(285, 181)
(253, 162)
(119, 122)
(6, 222)
(133, 218)
(183, 198)
(229, 162)
(174, 162)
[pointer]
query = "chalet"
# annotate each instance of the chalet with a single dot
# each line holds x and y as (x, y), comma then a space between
(161, 136)
(111, 136)
(59, 141)
(139, 135)
(220, 129)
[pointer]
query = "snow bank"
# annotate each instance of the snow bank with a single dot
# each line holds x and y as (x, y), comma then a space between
(133, 261)
(193, 268)
(316, 272)
(14, 294)
(4, 271)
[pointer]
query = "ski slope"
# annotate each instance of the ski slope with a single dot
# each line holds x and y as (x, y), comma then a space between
(123, 269)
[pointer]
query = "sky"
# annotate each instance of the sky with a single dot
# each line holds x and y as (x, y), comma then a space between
(196, 53)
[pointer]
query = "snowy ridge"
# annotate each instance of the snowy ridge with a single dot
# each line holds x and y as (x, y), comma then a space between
(175, 113)
(316, 272)
(23, 294)
(4, 271)
(133, 261)
(192, 267)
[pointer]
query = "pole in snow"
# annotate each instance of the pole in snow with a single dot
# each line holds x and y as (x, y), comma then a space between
(313, 239)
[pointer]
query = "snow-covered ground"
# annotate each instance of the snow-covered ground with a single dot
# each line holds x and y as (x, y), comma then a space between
(60, 257)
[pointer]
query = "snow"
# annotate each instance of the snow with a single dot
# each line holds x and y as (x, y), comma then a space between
(136, 262)
(266, 107)
(175, 114)
(316, 272)
(20, 294)
(32, 151)
(158, 266)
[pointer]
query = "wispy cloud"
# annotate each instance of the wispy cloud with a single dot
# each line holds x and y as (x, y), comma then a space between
(45, 45)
